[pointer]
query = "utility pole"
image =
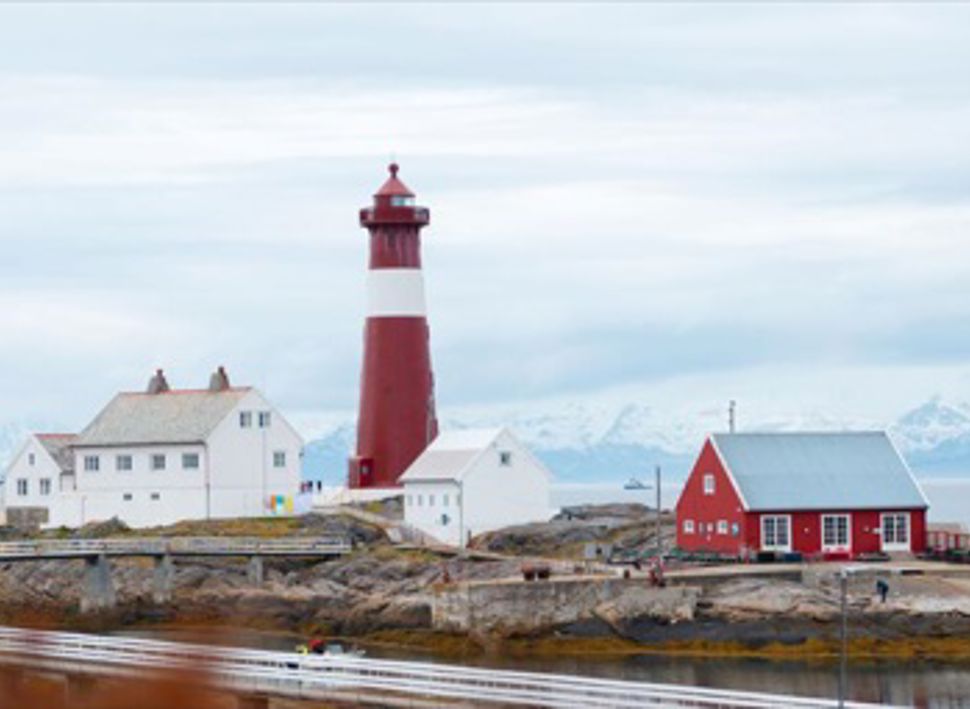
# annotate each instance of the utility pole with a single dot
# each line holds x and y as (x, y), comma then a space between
(660, 546)
(844, 636)
(732, 406)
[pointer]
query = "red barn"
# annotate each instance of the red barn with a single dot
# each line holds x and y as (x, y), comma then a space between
(828, 494)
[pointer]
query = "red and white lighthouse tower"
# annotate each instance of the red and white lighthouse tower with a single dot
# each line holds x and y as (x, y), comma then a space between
(396, 419)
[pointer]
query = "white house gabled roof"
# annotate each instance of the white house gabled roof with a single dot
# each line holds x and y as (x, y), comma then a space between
(58, 446)
(177, 416)
(452, 453)
(818, 471)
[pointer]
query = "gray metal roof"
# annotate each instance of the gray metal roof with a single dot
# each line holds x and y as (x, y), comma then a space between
(186, 416)
(450, 454)
(58, 445)
(818, 471)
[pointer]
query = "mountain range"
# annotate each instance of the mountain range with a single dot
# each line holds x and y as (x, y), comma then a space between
(590, 442)
(596, 441)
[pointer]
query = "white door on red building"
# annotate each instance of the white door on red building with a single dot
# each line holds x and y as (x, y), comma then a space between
(895, 531)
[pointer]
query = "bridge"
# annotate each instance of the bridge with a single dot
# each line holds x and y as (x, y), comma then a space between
(257, 675)
(98, 592)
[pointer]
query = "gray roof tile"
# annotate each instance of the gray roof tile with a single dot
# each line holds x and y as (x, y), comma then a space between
(819, 471)
(178, 416)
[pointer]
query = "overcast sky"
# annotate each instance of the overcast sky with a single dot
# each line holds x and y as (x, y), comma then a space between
(700, 200)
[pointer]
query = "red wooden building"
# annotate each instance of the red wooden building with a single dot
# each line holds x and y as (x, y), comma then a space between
(819, 494)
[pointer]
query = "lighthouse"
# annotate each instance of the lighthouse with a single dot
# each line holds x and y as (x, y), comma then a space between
(396, 417)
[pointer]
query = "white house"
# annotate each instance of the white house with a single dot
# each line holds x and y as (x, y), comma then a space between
(163, 455)
(472, 481)
(41, 470)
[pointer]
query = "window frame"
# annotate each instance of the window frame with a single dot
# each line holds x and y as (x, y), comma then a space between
(836, 543)
(191, 456)
(124, 456)
(245, 419)
(688, 526)
(153, 462)
(44, 487)
(895, 544)
(279, 459)
(775, 546)
(711, 489)
(23, 487)
(264, 419)
(722, 527)
(92, 464)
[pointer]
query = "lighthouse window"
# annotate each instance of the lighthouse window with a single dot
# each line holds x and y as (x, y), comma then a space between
(402, 201)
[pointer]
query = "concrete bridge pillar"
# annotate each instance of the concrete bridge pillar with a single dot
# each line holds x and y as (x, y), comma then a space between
(253, 701)
(163, 579)
(256, 570)
(99, 591)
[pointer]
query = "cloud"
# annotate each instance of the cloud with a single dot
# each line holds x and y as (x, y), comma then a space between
(620, 195)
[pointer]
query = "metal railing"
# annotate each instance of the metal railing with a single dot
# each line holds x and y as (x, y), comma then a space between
(176, 546)
(363, 679)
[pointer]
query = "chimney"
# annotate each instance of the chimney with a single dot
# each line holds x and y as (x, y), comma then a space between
(219, 381)
(157, 384)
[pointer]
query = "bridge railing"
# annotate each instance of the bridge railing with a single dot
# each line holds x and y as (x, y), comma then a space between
(289, 674)
(174, 545)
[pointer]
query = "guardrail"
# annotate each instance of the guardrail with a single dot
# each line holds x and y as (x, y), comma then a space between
(364, 679)
(176, 546)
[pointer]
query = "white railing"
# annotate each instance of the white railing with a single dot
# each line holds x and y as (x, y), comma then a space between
(175, 545)
(363, 679)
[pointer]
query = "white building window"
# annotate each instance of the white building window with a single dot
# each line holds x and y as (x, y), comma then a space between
(505, 458)
(264, 419)
(92, 463)
(708, 483)
(158, 461)
(835, 531)
(45, 486)
(22, 487)
(444, 500)
(31, 459)
(409, 500)
(722, 526)
(895, 531)
(688, 526)
(776, 533)
(279, 459)
(123, 462)
(126, 497)
(420, 500)
(190, 461)
(245, 419)
(156, 496)
(430, 500)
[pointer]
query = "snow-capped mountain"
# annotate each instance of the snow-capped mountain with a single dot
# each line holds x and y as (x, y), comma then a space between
(598, 442)
(610, 441)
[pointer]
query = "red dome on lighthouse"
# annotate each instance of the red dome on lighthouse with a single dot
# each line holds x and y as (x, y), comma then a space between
(393, 186)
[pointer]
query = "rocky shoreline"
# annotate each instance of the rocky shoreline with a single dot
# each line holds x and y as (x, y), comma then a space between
(384, 594)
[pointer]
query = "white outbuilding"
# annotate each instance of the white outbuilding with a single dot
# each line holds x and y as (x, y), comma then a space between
(471, 481)
(159, 456)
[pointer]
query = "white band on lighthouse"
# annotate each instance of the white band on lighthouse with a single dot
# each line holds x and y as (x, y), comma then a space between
(395, 293)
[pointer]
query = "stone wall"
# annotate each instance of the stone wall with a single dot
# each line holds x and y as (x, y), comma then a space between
(512, 607)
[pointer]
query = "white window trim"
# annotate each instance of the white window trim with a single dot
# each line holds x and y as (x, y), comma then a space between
(688, 526)
(722, 526)
(848, 534)
(775, 547)
(709, 477)
(895, 546)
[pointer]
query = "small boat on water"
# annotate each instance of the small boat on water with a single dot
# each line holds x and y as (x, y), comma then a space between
(634, 484)
(317, 646)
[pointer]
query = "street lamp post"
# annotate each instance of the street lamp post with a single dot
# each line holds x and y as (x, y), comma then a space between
(844, 635)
